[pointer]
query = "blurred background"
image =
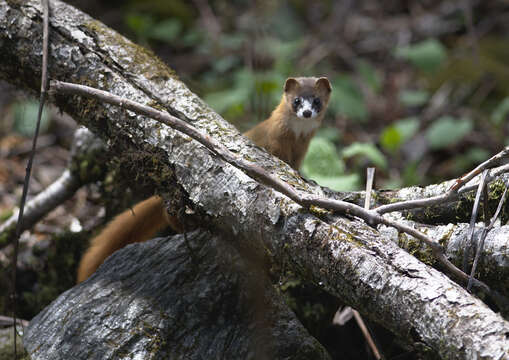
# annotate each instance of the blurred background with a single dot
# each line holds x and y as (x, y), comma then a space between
(420, 91)
(420, 88)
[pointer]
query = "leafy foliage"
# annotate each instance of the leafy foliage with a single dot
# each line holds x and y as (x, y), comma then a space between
(500, 113)
(367, 151)
(427, 55)
(323, 164)
(395, 135)
(384, 99)
(447, 131)
(412, 98)
(347, 100)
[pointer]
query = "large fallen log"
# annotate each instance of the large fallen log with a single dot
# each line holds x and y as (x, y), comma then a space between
(425, 309)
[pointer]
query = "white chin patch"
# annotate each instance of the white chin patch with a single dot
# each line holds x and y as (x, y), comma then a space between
(304, 126)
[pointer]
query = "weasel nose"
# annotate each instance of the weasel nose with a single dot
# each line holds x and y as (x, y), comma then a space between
(307, 113)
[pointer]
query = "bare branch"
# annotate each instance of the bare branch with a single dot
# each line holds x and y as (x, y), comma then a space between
(473, 218)
(484, 233)
(451, 194)
(85, 146)
(491, 162)
(258, 173)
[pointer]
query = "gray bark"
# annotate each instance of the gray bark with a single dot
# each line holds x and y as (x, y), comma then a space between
(172, 299)
(358, 264)
(448, 224)
(457, 209)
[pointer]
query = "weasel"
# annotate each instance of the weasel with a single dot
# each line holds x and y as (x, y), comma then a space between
(285, 134)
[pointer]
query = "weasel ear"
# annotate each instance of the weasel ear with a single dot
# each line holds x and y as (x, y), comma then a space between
(323, 83)
(291, 83)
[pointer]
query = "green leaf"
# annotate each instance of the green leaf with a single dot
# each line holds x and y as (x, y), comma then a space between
(369, 75)
(267, 85)
(235, 98)
(167, 30)
(411, 175)
(412, 98)
(221, 101)
(328, 133)
(367, 150)
(225, 63)
(500, 113)
(398, 133)
(427, 55)
(407, 127)
(322, 159)
(192, 37)
(391, 139)
(233, 41)
(25, 117)
(339, 183)
(447, 131)
(347, 100)
(323, 165)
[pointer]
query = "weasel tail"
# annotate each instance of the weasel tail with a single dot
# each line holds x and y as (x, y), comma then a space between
(285, 134)
(138, 224)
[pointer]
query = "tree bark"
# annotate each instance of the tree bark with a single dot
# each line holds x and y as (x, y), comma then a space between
(172, 298)
(356, 263)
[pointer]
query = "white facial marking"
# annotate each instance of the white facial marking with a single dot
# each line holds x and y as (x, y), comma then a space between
(302, 125)
(306, 106)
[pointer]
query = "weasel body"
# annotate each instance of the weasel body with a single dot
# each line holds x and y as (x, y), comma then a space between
(289, 129)
(285, 134)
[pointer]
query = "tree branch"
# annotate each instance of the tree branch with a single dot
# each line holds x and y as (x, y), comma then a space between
(258, 173)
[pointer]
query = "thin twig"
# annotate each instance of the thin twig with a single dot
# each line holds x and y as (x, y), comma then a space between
(9, 321)
(486, 198)
(473, 219)
(367, 335)
(478, 169)
(484, 233)
(19, 225)
(370, 176)
(371, 217)
(453, 193)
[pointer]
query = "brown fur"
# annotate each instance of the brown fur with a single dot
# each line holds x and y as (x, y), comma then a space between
(276, 135)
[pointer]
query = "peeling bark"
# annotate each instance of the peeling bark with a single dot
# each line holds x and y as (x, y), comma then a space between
(356, 263)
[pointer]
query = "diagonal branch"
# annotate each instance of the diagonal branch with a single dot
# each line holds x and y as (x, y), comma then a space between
(469, 240)
(258, 173)
(484, 233)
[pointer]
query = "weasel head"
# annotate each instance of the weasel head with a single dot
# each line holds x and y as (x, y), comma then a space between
(307, 99)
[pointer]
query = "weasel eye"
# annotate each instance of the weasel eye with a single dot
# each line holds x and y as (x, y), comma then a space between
(317, 102)
(296, 101)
